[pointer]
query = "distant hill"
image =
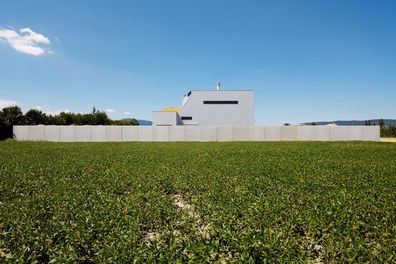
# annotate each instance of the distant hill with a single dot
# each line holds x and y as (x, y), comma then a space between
(145, 122)
(141, 122)
(390, 122)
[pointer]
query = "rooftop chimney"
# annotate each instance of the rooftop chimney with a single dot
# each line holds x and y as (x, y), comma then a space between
(218, 86)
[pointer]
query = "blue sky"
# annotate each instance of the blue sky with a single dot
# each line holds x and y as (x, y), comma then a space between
(305, 60)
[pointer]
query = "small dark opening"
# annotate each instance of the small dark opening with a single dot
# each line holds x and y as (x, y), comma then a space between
(220, 102)
(186, 118)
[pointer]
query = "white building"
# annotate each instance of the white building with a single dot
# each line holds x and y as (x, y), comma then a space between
(210, 107)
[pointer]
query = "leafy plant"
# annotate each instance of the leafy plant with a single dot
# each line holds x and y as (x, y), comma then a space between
(197, 202)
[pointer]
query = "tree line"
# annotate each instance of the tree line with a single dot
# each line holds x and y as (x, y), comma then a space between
(13, 115)
(385, 130)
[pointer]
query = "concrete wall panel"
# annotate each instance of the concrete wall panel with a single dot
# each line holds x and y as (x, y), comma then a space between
(240, 133)
(321, 133)
(335, 133)
(345, 133)
(306, 132)
(145, 133)
(208, 133)
(272, 133)
(98, 133)
(68, 133)
(114, 133)
(52, 133)
(371, 133)
(224, 133)
(129, 133)
(37, 133)
(21, 132)
(289, 133)
(256, 133)
(196, 133)
(165, 118)
(161, 133)
(193, 133)
(83, 134)
(354, 132)
(177, 133)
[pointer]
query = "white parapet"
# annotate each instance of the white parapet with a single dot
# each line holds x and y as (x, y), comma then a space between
(208, 133)
(177, 133)
(224, 133)
(52, 133)
(145, 133)
(21, 132)
(193, 133)
(67, 133)
(240, 133)
(114, 133)
(196, 133)
(83, 134)
(161, 133)
(256, 133)
(129, 133)
(272, 133)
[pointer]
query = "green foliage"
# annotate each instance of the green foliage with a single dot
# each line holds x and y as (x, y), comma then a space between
(282, 202)
(35, 117)
(381, 122)
(11, 116)
(132, 122)
(388, 131)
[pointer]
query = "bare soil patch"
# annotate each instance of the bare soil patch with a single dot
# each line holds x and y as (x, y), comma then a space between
(393, 140)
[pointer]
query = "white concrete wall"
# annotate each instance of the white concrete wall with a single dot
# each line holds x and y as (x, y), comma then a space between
(114, 133)
(161, 134)
(218, 114)
(177, 133)
(83, 134)
(52, 133)
(196, 133)
(129, 133)
(165, 118)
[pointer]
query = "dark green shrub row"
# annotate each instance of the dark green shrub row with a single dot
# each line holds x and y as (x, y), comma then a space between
(11, 116)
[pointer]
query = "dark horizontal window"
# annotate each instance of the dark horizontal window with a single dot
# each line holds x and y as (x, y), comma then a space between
(186, 118)
(220, 102)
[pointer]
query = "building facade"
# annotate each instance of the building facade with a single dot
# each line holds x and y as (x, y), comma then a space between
(211, 107)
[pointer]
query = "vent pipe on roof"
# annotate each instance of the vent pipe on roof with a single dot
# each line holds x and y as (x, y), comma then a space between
(218, 86)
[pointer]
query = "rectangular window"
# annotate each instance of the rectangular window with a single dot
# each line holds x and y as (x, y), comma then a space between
(220, 102)
(186, 118)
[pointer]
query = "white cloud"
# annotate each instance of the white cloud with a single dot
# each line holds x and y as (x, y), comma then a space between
(109, 110)
(38, 107)
(7, 103)
(127, 113)
(48, 111)
(56, 112)
(26, 41)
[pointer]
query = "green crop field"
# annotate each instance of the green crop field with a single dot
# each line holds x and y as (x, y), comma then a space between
(310, 202)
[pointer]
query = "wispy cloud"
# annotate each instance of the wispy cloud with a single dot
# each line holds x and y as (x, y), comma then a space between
(48, 111)
(26, 41)
(7, 103)
(127, 113)
(109, 110)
